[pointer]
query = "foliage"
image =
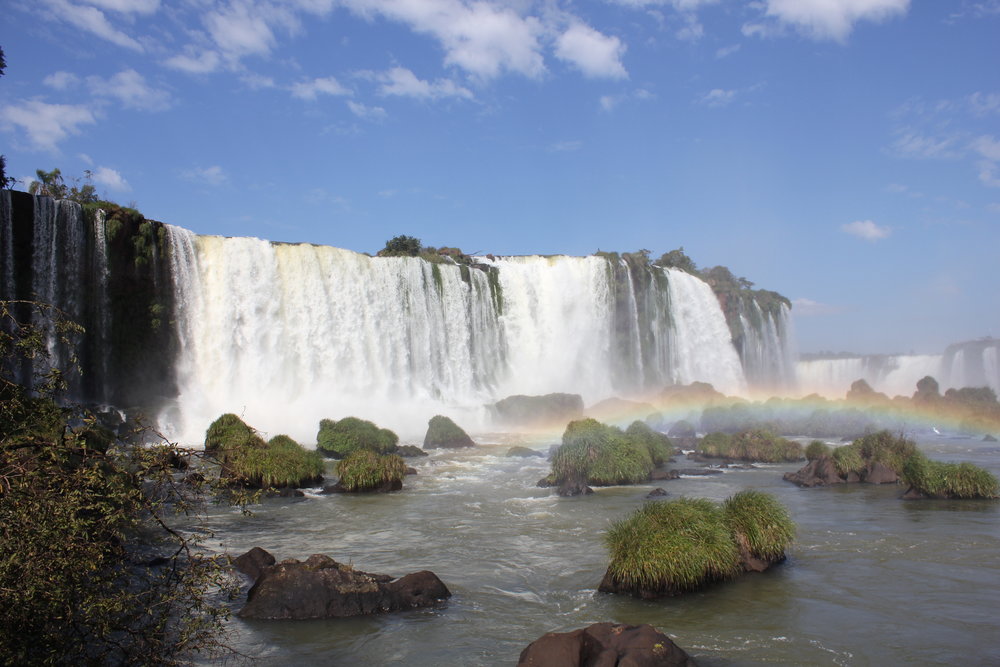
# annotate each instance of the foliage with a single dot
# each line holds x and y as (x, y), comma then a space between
(51, 184)
(949, 480)
(228, 434)
(601, 455)
(848, 460)
(337, 439)
(659, 446)
(281, 462)
(817, 449)
(401, 246)
(927, 389)
(366, 470)
(760, 522)
(751, 445)
(972, 396)
(82, 516)
(677, 259)
(885, 448)
(671, 547)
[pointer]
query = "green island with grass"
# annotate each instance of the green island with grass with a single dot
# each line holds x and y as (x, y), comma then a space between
(337, 439)
(673, 547)
(367, 470)
(754, 444)
(248, 460)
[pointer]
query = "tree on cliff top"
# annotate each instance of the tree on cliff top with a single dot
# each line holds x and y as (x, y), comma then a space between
(401, 246)
(4, 181)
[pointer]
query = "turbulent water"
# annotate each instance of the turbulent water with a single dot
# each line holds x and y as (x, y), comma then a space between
(869, 580)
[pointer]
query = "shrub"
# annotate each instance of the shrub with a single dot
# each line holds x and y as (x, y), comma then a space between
(659, 446)
(817, 449)
(948, 480)
(338, 439)
(848, 460)
(366, 470)
(443, 432)
(716, 445)
(600, 455)
(279, 463)
(761, 522)
(671, 547)
(751, 445)
(883, 447)
(228, 433)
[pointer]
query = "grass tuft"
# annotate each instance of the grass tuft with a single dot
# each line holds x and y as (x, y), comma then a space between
(762, 521)
(817, 449)
(949, 480)
(366, 470)
(337, 439)
(601, 455)
(751, 445)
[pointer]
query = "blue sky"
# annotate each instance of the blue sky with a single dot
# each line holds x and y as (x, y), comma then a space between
(845, 153)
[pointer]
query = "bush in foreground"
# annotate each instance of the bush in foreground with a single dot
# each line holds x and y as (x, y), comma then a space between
(366, 470)
(936, 479)
(668, 548)
(337, 439)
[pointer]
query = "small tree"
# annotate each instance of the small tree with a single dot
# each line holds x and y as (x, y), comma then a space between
(401, 246)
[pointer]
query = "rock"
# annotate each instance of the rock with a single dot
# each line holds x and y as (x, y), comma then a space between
(285, 492)
(682, 429)
(323, 588)
(818, 472)
(524, 452)
(660, 475)
(409, 451)
(574, 487)
(879, 473)
(253, 562)
(443, 432)
(698, 472)
(658, 492)
(387, 487)
(605, 645)
(410, 471)
(536, 411)
(989, 438)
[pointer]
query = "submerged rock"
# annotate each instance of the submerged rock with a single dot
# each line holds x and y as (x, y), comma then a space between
(524, 452)
(605, 644)
(321, 587)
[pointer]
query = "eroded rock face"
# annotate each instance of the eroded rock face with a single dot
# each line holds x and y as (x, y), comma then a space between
(321, 587)
(253, 562)
(605, 645)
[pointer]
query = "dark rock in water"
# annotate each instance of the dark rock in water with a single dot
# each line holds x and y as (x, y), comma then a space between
(386, 487)
(659, 475)
(682, 429)
(658, 492)
(818, 472)
(536, 411)
(524, 452)
(699, 472)
(879, 473)
(411, 471)
(574, 487)
(323, 588)
(989, 438)
(545, 482)
(409, 451)
(605, 645)
(285, 492)
(253, 562)
(443, 432)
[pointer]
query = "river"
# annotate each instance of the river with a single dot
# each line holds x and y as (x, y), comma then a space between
(869, 580)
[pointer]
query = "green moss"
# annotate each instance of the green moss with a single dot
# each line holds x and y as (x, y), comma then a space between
(436, 273)
(817, 449)
(443, 432)
(600, 455)
(751, 445)
(760, 522)
(340, 438)
(281, 462)
(229, 433)
(366, 470)
(659, 446)
(948, 480)
(672, 547)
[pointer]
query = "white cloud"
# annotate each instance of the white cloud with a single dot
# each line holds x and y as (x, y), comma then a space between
(92, 20)
(482, 38)
(913, 144)
(46, 124)
(833, 19)
(595, 54)
(310, 90)
(110, 178)
(239, 30)
(727, 51)
(213, 175)
(194, 61)
(366, 112)
(988, 147)
(867, 230)
(130, 88)
(609, 102)
(717, 97)
(401, 81)
(984, 104)
(61, 80)
(127, 6)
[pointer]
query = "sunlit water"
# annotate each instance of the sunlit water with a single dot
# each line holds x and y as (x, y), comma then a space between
(870, 579)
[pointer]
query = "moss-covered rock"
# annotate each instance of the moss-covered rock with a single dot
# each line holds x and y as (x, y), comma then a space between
(337, 439)
(659, 446)
(668, 548)
(750, 445)
(936, 479)
(816, 449)
(279, 463)
(410, 451)
(443, 432)
(366, 470)
(594, 453)
(229, 433)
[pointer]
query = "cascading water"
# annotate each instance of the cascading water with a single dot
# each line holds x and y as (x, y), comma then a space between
(767, 349)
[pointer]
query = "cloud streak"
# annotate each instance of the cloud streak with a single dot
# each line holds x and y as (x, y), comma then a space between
(867, 230)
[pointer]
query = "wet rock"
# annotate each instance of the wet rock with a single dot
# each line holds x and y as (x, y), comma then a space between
(443, 432)
(605, 645)
(818, 472)
(253, 562)
(989, 438)
(879, 473)
(574, 487)
(699, 472)
(323, 588)
(409, 451)
(524, 452)
(658, 492)
(660, 475)
(386, 487)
